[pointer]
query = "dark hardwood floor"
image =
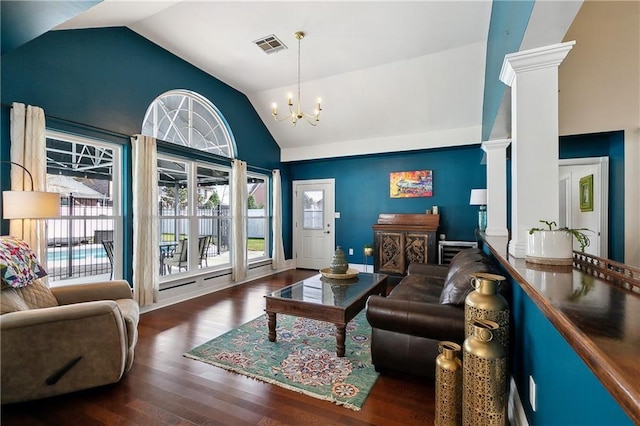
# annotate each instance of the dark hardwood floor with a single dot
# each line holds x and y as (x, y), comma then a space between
(163, 387)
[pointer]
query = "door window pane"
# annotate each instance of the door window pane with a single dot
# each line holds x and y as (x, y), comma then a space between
(313, 210)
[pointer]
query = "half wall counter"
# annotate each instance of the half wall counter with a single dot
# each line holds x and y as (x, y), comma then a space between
(575, 353)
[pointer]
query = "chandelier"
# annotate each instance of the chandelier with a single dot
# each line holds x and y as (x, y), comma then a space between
(295, 112)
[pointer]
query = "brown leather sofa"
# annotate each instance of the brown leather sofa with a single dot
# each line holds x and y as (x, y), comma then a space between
(426, 307)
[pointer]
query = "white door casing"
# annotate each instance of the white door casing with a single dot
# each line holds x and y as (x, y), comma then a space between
(313, 223)
(572, 170)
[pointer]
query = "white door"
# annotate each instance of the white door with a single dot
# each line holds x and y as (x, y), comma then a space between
(596, 220)
(314, 223)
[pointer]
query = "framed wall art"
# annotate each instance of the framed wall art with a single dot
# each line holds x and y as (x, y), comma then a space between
(417, 183)
(586, 194)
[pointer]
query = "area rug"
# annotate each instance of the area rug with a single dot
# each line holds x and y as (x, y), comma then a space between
(303, 357)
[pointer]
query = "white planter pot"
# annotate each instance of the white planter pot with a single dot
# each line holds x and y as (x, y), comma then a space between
(550, 248)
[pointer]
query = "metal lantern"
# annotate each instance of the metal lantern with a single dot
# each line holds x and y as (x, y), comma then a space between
(448, 385)
(484, 377)
(486, 303)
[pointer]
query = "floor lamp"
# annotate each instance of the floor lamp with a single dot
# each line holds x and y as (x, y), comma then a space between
(29, 204)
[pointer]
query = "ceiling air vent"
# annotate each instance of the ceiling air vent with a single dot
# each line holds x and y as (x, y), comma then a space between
(270, 44)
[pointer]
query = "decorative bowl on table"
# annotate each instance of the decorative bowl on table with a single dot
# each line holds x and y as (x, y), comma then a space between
(351, 273)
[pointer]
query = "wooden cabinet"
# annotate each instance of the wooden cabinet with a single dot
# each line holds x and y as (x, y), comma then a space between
(400, 239)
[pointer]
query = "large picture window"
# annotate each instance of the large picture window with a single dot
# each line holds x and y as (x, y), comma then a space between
(85, 243)
(194, 195)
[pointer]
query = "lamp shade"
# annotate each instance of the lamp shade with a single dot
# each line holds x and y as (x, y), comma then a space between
(478, 197)
(30, 205)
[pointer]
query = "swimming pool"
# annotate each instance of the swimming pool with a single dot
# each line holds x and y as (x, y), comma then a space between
(83, 252)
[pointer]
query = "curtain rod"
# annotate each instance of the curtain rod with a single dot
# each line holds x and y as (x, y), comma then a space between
(254, 167)
(260, 168)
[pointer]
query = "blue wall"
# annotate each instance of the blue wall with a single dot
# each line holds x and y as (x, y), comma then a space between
(108, 77)
(99, 82)
(608, 144)
(509, 20)
(362, 191)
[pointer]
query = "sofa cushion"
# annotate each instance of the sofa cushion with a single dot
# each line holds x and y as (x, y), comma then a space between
(10, 301)
(18, 263)
(462, 258)
(38, 295)
(458, 283)
(417, 288)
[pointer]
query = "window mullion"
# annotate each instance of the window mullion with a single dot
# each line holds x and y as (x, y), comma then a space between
(192, 191)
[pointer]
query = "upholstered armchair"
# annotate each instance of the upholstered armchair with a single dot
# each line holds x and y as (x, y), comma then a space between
(62, 339)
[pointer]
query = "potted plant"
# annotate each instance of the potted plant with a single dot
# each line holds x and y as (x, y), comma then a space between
(553, 245)
(368, 249)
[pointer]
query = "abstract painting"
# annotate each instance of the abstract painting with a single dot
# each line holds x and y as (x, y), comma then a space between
(417, 183)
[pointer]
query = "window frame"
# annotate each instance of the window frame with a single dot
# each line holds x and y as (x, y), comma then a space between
(153, 119)
(116, 201)
(266, 218)
(193, 217)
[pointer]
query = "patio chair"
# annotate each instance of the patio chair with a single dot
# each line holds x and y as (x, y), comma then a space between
(179, 258)
(108, 248)
(203, 247)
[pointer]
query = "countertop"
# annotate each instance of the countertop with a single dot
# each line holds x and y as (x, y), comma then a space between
(599, 319)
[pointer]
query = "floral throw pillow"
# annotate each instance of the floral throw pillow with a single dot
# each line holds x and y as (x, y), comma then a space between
(18, 263)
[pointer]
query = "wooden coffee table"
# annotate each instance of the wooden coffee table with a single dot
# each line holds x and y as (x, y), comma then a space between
(331, 300)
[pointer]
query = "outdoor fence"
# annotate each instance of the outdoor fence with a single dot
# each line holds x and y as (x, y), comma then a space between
(75, 246)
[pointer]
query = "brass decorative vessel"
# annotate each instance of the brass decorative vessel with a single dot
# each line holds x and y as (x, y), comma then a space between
(484, 377)
(448, 385)
(486, 303)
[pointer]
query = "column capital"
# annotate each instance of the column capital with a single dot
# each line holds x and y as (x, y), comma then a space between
(533, 59)
(495, 144)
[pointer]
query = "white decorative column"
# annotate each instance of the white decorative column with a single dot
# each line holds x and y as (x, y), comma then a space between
(533, 78)
(496, 187)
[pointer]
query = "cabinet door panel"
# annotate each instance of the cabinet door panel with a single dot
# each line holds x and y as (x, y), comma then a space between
(392, 252)
(416, 248)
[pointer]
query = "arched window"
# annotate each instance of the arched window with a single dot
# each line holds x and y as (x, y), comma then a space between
(189, 119)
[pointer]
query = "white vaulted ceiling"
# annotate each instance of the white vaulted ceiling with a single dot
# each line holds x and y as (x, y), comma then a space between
(392, 75)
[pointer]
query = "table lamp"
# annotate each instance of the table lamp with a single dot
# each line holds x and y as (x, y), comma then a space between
(29, 204)
(479, 198)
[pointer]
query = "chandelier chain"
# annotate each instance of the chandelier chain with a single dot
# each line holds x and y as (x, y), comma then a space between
(299, 41)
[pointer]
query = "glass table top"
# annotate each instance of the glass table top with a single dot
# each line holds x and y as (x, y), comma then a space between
(324, 291)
